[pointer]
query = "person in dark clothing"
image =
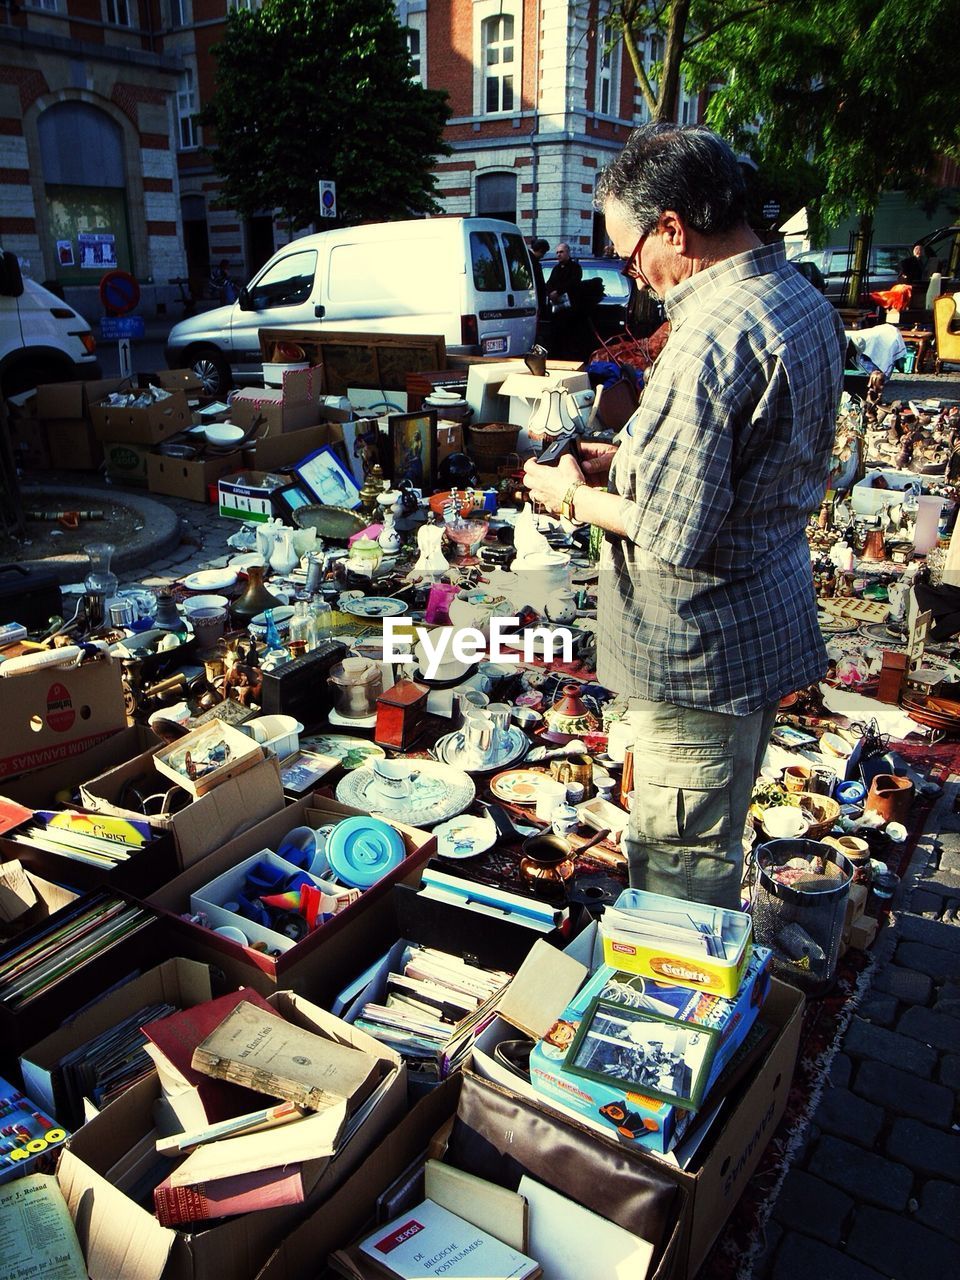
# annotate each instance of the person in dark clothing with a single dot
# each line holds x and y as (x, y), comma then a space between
(911, 268)
(564, 278)
(563, 296)
(538, 248)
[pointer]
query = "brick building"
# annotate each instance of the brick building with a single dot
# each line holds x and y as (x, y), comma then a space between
(101, 157)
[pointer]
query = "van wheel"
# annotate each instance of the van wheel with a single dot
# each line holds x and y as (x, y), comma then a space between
(212, 370)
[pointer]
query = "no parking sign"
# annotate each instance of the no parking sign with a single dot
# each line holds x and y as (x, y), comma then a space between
(328, 199)
(119, 292)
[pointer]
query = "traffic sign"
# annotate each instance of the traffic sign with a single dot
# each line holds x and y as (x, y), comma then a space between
(119, 292)
(328, 199)
(116, 327)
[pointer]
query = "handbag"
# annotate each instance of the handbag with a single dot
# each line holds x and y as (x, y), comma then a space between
(499, 1136)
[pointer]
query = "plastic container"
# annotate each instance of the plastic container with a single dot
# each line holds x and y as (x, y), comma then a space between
(279, 734)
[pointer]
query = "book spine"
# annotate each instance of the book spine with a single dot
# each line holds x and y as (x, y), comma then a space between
(176, 1205)
(313, 1098)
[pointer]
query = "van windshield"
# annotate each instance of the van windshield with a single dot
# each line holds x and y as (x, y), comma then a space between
(518, 264)
(488, 273)
(287, 282)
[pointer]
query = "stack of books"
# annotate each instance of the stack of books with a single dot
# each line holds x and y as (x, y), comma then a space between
(40, 959)
(233, 1071)
(433, 1009)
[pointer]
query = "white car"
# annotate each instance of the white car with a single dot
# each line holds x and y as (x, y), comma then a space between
(42, 338)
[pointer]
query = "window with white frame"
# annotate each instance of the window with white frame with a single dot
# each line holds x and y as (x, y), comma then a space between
(249, 5)
(497, 61)
(119, 13)
(179, 13)
(608, 63)
(51, 6)
(187, 111)
(413, 52)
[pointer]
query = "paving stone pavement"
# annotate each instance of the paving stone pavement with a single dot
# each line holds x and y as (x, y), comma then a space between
(875, 1191)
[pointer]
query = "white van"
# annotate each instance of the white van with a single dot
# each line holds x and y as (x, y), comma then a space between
(42, 338)
(469, 279)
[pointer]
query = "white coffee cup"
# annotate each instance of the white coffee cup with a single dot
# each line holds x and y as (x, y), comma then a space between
(549, 796)
(394, 778)
(784, 822)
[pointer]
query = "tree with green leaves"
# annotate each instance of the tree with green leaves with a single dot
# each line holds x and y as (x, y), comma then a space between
(322, 89)
(851, 94)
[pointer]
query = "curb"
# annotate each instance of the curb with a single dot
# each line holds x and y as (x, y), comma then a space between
(159, 536)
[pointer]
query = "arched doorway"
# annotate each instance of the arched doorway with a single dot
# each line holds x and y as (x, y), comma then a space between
(81, 154)
(497, 196)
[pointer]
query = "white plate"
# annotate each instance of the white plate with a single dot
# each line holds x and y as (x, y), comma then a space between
(465, 837)
(210, 580)
(246, 560)
(374, 607)
(438, 792)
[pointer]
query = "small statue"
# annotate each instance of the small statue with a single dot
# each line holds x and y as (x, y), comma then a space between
(431, 562)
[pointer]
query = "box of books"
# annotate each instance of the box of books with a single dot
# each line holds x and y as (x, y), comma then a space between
(258, 1111)
(641, 1055)
(670, 940)
(325, 956)
(86, 1064)
(31, 1139)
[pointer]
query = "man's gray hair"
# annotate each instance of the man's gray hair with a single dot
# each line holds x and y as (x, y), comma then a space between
(687, 168)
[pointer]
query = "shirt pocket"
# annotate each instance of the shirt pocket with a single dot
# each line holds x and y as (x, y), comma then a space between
(687, 801)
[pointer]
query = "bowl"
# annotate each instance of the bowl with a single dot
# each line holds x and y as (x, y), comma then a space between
(281, 617)
(193, 603)
(222, 433)
(439, 500)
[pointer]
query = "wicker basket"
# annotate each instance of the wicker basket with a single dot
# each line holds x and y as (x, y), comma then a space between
(822, 809)
(490, 442)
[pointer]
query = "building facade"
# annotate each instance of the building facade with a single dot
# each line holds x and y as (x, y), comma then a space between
(102, 162)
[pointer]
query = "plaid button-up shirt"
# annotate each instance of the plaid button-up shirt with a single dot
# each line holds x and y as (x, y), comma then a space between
(708, 601)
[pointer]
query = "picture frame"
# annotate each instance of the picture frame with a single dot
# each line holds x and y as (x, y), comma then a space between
(291, 498)
(647, 1052)
(413, 449)
(300, 773)
(327, 477)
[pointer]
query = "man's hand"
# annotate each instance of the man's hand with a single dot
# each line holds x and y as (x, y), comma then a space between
(595, 458)
(547, 485)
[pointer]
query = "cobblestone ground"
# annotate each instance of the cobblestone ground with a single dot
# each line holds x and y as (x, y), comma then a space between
(874, 1193)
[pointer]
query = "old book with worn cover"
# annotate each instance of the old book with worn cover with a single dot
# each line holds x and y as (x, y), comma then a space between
(225, 1197)
(265, 1052)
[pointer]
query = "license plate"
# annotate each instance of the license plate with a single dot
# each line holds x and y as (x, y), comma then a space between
(495, 346)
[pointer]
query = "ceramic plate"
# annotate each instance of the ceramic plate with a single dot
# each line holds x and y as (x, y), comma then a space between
(519, 786)
(374, 607)
(350, 752)
(245, 560)
(465, 837)
(454, 749)
(210, 580)
(437, 792)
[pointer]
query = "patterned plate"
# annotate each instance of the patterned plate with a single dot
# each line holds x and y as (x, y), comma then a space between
(374, 607)
(350, 752)
(437, 792)
(519, 786)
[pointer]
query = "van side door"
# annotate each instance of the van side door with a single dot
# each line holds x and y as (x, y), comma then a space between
(282, 296)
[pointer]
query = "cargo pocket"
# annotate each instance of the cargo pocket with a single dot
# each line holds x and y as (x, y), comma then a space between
(688, 805)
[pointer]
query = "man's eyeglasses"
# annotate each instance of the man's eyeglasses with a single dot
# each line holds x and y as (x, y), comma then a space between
(631, 268)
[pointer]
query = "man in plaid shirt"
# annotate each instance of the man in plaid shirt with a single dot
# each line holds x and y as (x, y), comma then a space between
(707, 614)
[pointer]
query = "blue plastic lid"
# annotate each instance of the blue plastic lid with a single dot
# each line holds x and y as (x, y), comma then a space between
(362, 850)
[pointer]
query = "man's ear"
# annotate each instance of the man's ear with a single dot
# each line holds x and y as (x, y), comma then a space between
(670, 226)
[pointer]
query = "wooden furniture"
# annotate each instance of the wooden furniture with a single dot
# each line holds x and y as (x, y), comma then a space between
(948, 343)
(922, 339)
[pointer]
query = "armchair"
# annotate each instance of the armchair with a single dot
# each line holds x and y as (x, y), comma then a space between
(948, 342)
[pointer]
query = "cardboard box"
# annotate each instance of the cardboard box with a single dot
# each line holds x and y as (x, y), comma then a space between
(189, 477)
(733, 1149)
(73, 399)
(328, 957)
(271, 452)
(147, 425)
(184, 380)
(296, 405)
(57, 712)
(38, 788)
(350, 1211)
(449, 439)
(181, 983)
(119, 1238)
(126, 462)
(248, 495)
(215, 819)
(73, 445)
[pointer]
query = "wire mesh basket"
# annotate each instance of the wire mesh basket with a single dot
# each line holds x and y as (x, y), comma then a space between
(802, 923)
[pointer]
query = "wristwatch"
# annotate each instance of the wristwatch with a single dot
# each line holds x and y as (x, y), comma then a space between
(567, 501)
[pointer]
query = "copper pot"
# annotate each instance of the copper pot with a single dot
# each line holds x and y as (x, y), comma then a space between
(874, 548)
(891, 796)
(547, 861)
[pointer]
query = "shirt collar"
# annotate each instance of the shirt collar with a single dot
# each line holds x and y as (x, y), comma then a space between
(688, 296)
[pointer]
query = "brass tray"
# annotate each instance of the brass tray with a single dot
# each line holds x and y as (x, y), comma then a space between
(336, 524)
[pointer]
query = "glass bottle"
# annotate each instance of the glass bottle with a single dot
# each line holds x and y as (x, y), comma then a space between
(301, 624)
(276, 651)
(100, 583)
(322, 614)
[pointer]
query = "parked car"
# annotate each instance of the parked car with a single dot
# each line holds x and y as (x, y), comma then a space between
(611, 313)
(835, 261)
(469, 279)
(42, 338)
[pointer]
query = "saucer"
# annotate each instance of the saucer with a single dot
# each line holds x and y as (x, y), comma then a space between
(520, 786)
(210, 580)
(437, 793)
(465, 837)
(454, 749)
(374, 607)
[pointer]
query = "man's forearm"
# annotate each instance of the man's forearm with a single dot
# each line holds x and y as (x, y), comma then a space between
(606, 510)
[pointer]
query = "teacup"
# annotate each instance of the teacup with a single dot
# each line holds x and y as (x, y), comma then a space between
(526, 718)
(784, 822)
(394, 779)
